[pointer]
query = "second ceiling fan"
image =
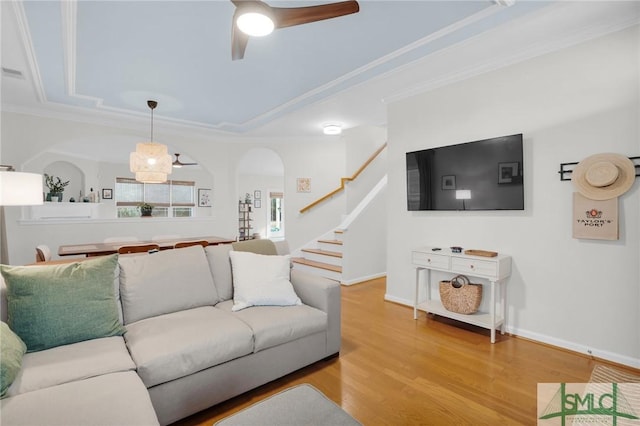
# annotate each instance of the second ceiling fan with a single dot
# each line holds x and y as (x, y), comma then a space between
(177, 164)
(254, 17)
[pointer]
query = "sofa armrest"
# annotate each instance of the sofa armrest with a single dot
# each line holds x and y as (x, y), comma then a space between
(324, 294)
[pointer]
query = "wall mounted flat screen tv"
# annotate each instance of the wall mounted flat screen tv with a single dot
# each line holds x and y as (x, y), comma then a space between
(479, 175)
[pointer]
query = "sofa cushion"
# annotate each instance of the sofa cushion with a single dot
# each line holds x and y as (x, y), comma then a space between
(111, 399)
(266, 247)
(261, 280)
(220, 265)
(174, 345)
(53, 305)
(165, 282)
(73, 362)
(12, 349)
(275, 325)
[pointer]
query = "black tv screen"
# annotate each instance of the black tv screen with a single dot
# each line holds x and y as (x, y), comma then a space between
(479, 175)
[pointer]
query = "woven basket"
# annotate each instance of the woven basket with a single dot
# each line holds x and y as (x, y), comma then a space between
(460, 296)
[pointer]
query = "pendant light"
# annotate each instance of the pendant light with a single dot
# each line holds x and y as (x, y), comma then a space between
(151, 161)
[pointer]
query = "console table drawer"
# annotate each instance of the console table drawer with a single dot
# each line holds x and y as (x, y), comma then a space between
(474, 266)
(431, 260)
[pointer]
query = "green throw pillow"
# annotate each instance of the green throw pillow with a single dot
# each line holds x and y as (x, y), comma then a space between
(12, 348)
(54, 305)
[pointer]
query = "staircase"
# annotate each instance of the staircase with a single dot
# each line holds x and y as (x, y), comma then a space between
(325, 259)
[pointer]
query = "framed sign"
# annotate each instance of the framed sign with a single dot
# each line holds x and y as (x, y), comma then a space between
(303, 184)
(204, 197)
(107, 193)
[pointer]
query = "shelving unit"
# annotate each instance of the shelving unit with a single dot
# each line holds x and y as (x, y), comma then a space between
(494, 269)
(244, 221)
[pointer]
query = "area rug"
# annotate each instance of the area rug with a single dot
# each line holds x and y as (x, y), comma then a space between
(606, 374)
(625, 402)
(299, 405)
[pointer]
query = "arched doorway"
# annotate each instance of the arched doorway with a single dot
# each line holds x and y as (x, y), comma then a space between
(260, 175)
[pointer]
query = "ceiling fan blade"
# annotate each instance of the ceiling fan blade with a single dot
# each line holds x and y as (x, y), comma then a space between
(239, 41)
(288, 17)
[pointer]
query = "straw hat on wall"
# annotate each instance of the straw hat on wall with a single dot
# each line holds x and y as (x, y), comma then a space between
(604, 176)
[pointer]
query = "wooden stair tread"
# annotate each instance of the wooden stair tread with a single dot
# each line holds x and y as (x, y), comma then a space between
(321, 265)
(339, 231)
(336, 242)
(323, 252)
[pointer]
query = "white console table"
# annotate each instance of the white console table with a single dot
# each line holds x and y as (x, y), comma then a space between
(494, 269)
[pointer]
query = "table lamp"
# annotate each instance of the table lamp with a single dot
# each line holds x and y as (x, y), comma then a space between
(16, 189)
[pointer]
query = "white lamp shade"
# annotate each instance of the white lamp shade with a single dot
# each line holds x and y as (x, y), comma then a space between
(463, 194)
(20, 189)
(150, 162)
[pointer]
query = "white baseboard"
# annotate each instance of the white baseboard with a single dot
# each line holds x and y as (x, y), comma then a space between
(365, 278)
(552, 341)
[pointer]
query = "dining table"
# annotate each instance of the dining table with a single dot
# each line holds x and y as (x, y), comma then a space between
(102, 248)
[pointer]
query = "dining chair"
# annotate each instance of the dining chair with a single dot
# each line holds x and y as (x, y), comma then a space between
(183, 244)
(43, 253)
(141, 248)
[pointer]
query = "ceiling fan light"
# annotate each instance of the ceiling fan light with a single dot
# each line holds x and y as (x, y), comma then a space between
(254, 23)
(332, 129)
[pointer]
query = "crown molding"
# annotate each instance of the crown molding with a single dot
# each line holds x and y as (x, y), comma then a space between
(556, 37)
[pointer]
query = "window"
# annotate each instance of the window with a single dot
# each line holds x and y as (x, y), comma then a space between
(173, 198)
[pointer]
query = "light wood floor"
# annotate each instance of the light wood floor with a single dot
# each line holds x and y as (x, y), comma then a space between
(393, 370)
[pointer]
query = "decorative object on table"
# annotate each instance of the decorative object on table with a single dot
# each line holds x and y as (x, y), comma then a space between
(107, 193)
(460, 296)
(595, 219)
(151, 161)
(257, 194)
(56, 187)
(456, 249)
(482, 253)
(448, 182)
(303, 184)
(604, 176)
(204, 197)
(72, 200)
(145, 209)
(257, 203)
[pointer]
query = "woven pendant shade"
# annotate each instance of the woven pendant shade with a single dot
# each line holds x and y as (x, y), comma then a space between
(151, 161)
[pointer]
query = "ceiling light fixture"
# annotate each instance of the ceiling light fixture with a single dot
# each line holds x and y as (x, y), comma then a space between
(332, 129)
(151, 161)
(255, 19)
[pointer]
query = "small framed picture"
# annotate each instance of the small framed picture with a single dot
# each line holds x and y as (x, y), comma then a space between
(204, 197)
(107, 193)
(257, 194)
(303, 184)
(508, 172)
(449, 182)
(257, 203)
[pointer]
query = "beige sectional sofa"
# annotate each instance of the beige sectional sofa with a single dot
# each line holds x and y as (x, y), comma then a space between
(185, 347)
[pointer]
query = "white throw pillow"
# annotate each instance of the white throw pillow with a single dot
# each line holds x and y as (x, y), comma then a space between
(260, 280)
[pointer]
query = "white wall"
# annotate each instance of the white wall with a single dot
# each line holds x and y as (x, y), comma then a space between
(25, 138)
(580, 294)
